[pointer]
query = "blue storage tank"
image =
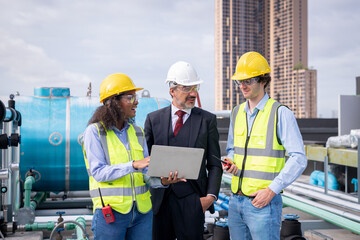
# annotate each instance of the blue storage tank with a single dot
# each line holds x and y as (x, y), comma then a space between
(52, 123)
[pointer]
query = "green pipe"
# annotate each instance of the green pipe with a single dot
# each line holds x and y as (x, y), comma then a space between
(79, 232)
(29, 181)
(330, 217)
(50, 225)
(40, 226)
(39, 197)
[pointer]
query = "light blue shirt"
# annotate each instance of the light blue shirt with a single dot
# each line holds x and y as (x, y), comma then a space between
(100, 170)
(289, 134)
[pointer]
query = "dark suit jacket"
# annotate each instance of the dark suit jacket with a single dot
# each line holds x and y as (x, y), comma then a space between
(204, 134)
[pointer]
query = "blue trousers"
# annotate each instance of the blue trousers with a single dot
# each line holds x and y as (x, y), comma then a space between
(131, 226)
(247, 222)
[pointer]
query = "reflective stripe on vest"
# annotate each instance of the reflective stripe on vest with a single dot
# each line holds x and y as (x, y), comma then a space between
(123, 192)
(118, 191)
(262, 161)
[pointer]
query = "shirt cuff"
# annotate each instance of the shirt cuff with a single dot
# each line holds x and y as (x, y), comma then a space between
(213, 196)
(276, 188)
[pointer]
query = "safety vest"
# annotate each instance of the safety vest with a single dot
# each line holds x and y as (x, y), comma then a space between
(259, 156)
(122, 192)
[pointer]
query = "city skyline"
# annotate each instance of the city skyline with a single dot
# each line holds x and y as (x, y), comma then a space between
(278, 30)
(70, 44)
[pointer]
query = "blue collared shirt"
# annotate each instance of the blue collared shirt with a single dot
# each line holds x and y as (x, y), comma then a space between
(99, 169)
(289, 134)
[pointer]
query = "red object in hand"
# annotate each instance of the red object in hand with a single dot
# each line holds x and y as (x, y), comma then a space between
(226, 163)
(108, 214)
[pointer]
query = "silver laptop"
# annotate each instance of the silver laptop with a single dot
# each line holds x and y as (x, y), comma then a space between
(166, 159)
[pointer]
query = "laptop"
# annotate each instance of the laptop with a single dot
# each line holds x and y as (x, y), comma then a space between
(166, 159)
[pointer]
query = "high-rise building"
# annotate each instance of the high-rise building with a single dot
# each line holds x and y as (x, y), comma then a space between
(277, 29)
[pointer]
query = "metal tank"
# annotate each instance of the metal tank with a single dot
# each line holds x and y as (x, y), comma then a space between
(53, 123)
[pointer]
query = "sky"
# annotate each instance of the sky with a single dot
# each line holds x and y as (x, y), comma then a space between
(71, 43)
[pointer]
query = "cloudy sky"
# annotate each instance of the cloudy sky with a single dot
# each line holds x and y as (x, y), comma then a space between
(71, 43)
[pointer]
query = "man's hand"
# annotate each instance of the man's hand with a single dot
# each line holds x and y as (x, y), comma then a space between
(262, 197)
(170, 179)
(206, 202)
(233, 169)
(143, 163)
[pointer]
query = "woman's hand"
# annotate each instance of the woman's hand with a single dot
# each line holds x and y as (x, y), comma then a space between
(141, 163)
(171, 179)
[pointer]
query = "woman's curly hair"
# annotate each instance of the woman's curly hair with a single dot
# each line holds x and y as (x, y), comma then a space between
(110, 114)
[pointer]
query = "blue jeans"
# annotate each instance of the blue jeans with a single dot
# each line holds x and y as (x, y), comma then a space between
(251, 223)
(131, 226)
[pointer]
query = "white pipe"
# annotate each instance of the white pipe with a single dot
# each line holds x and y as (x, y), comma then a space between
(71, 194)
(15, 171)
(338, 194)
(324, 197)
(324, 207)
(6, 163)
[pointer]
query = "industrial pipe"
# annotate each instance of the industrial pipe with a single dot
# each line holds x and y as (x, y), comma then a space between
(71, 194)
(324, 197)
(6, 160)
(79, 229)
(10, 115)
(15, 141)
(80, 225)
(26, 215)
(39, 197)
(38, 226)
(330, 217)
(223, 204)
(346, 214)
(29, 181)
(337, 194)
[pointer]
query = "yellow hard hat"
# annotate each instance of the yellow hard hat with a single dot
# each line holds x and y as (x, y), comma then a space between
(250, 64)
(115, 84)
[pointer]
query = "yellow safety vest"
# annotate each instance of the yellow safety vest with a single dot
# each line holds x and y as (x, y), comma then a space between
(259, 156)
(122, 192)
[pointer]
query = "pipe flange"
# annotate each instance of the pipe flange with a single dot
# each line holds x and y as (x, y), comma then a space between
(4, 141)
(24, 216)
(14, 139)
(55, 139)
(35, 174)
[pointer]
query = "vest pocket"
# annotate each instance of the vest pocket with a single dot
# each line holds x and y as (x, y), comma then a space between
(239, 139)
(263, 162)
(257, 140)
(146, 195)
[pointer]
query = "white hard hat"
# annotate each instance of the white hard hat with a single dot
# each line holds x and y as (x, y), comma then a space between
(183, 73)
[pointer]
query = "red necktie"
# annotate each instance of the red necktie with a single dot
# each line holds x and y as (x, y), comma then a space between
(179, 122)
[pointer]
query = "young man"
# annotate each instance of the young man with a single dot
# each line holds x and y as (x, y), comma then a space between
(179, 209)
(261, 129)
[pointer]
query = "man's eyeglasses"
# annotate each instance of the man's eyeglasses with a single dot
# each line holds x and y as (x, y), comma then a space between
(130, 98)
(187, 89)
(247, 82)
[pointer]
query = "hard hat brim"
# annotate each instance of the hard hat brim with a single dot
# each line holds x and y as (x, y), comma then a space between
(199, 81)
(128, 90)
(138, 89)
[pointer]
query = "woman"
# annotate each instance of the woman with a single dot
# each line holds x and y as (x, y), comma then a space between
(116, 158)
